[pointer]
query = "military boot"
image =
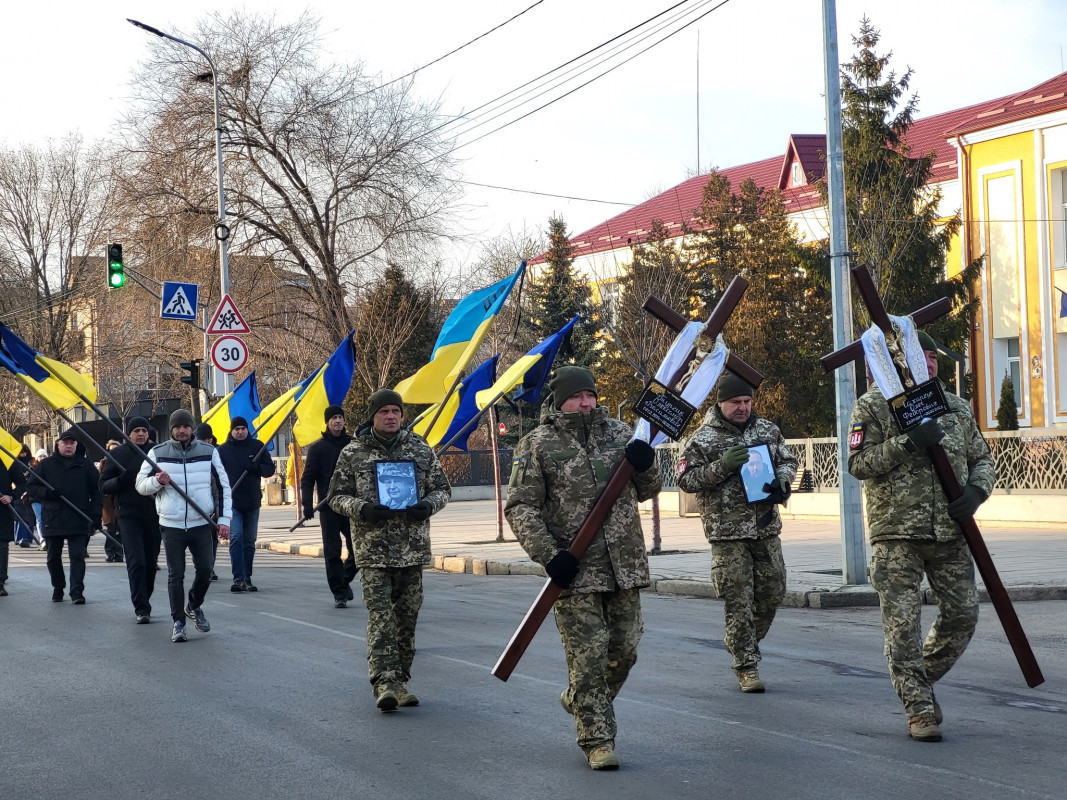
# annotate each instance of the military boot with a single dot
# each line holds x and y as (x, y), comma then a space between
(405, 698)
(749, 681)
(566, 705)
(386, 699)
(923, 728)
(938, 716)
(603, 757)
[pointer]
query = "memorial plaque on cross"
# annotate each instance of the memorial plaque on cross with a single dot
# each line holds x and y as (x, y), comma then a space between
(687, 364)
(1020, 645)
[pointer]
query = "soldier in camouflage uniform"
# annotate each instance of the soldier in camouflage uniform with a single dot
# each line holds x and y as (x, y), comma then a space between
(747, 568)
(913, 530)
(391, 546)
(559, 469)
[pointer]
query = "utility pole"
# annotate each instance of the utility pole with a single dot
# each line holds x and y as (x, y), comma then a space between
(853, 561)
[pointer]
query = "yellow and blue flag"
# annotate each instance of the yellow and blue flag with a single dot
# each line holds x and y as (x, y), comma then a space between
(328, 388)
(459, 410)
(53, 381)
(531, 370)
(11, 445)
(243, 401)
(459, 340)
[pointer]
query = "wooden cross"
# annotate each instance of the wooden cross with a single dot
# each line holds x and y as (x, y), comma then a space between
(619, 479)
(949, 482)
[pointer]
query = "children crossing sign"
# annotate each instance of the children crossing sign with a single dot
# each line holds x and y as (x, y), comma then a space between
(179, 300)
(227, 319)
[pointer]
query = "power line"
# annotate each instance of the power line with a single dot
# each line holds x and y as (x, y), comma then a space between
(548, 194)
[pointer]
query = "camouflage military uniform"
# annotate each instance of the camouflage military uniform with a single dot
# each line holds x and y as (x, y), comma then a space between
(912, 533)
(392, 554)
(558, 471)
(747, 568)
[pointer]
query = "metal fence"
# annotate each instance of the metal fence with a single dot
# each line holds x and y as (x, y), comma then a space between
(476, 467)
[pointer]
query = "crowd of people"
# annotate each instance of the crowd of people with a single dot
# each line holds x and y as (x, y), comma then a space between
(378, 488)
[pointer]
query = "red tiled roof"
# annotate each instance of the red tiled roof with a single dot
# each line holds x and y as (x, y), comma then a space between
(925, 136)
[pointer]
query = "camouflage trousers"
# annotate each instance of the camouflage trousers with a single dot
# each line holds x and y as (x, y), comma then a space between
(897, 568)
(600, 632)
(393, 597)
(749, 576)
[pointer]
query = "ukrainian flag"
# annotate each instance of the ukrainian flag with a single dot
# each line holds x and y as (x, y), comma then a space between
(459, 340)
(327, 388)
(243, 401)
(531, 371)
(53, 381)
(11, 445)
(459, 410)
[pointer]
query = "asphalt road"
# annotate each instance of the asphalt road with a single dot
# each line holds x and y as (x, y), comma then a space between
(274, 703)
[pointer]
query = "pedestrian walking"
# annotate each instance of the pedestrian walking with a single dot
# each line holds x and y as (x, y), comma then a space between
(245, 472)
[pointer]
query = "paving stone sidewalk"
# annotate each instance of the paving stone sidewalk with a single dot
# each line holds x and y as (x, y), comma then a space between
(1032, 562)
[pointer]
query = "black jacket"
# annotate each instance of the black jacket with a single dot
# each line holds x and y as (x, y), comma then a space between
(237, 459)
(128, 501)
(11, 485)
(76, 479)
(318, 468)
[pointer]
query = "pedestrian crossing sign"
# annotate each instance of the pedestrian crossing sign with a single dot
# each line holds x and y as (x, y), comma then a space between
(179, 300)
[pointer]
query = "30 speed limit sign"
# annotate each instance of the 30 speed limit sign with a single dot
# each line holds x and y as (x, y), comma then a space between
(229, 353)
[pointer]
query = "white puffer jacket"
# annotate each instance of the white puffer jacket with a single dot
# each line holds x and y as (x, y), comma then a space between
(189, 468)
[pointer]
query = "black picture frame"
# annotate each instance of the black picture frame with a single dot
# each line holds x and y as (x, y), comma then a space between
(397, 482)
(756, 472)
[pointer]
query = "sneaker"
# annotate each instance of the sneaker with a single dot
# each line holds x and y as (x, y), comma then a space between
(214, 577)
(197, 615)
(57, 595)
(177, 634)
(250, 587)
(24, 544)
(749, 681)
(938, 716)
(923, 728)
(143, 619)
(340, 602)
(386, 699)
(566, 705)
(404, 698)
(44, 545)
(77, 599)
(603, 757)
(238, 586)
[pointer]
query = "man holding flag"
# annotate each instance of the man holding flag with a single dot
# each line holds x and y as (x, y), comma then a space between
(242, 455)
(391, 547)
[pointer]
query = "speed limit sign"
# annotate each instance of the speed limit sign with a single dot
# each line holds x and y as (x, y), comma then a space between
(229, 353)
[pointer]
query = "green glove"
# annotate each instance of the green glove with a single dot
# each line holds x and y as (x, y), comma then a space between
(967, 503)
(734, 457)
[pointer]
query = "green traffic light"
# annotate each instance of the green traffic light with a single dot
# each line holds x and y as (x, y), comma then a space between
(117, 279)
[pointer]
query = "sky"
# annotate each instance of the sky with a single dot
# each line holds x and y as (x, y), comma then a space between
(622, 138)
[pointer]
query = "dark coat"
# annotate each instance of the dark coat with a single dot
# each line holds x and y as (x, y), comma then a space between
(11, 486)
(318, 468)
(237, 459)
(129, 502)
(76, 479)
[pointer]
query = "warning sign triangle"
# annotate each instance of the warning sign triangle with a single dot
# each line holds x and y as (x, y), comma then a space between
(228, 319)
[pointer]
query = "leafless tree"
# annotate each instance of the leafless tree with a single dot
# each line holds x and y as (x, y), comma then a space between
(328, 171)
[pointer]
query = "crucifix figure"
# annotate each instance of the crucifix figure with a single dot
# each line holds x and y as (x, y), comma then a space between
(903, 433)
(682, 361)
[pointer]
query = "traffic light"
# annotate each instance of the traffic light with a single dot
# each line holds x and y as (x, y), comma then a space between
(116, 272)
(192, 380)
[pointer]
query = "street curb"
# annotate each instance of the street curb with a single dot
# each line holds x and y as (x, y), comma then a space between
(840, 597)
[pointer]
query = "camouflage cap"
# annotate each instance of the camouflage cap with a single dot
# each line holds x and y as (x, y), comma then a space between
(392, 469)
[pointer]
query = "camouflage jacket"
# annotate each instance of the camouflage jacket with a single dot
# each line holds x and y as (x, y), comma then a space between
(904, 498)
(558, 471)
(398, 542)
(724, 510)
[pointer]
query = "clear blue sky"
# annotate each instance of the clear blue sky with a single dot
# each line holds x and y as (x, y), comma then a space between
(67, 65)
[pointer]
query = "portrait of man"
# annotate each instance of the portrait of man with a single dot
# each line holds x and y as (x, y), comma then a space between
(757, 472)
(396, 484)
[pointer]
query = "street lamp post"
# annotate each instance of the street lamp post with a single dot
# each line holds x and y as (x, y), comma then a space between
(222, 382)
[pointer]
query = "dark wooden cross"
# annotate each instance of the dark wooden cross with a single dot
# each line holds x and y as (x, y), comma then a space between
(949, 482)
(608, 496)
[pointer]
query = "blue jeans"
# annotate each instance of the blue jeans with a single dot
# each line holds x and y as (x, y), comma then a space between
(244, 527)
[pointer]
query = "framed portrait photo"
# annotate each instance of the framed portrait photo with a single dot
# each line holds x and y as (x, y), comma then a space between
(757, 472)
(397, 485)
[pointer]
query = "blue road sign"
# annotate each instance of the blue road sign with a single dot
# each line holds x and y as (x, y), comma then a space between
(179, 300)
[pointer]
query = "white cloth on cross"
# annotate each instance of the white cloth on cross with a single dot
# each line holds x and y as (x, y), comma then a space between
(700, 384)
(880, 363)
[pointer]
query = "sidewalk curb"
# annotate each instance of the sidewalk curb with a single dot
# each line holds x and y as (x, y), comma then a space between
(817, 598)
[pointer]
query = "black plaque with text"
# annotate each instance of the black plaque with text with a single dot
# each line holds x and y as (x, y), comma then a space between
(927, 400)
(665, 409)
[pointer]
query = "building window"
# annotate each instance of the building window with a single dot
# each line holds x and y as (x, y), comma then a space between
(609, 303)
(798, 174)
(1014, 372)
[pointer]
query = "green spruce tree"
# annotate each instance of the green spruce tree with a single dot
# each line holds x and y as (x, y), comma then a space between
(1007, 411)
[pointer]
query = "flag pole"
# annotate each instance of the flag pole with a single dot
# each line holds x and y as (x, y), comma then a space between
(34, 476)
(82, 431)
(471, 423)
